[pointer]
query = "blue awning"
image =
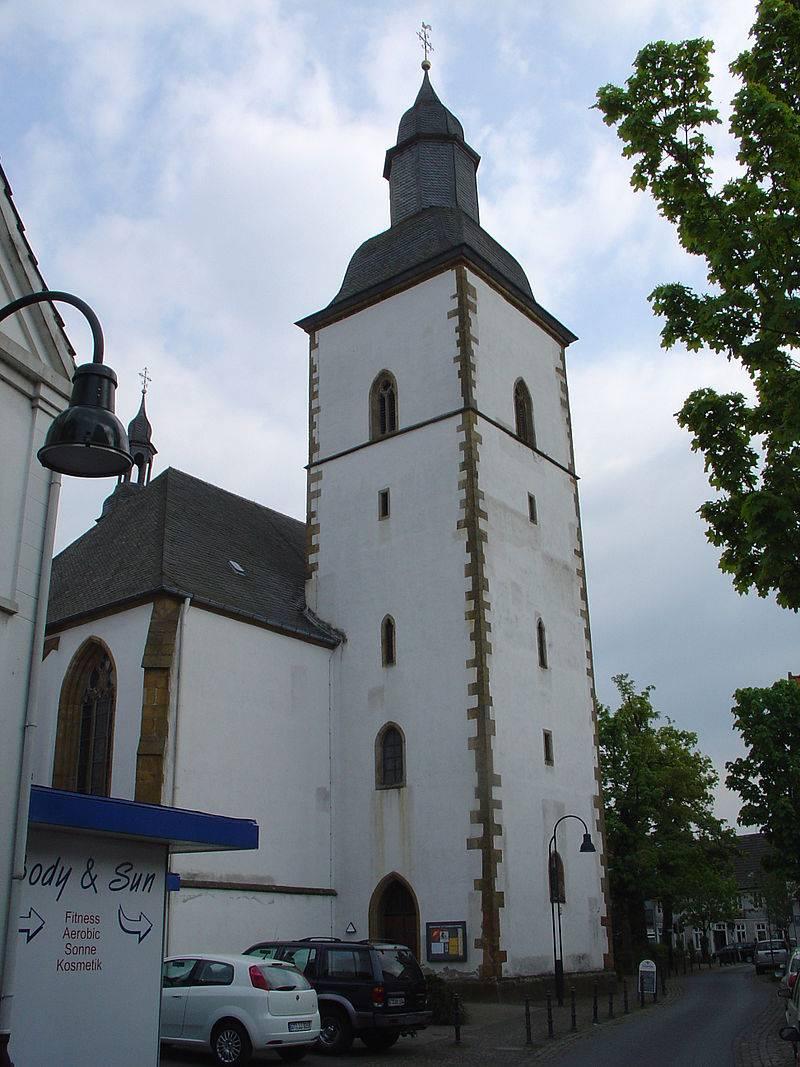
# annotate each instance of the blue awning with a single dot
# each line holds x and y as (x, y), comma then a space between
(178, 829)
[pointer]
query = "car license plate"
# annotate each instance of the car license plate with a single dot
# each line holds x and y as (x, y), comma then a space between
(304, 1025)
(395, 1002)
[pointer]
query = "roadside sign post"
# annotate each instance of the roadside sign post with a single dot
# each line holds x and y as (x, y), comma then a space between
(647, 979)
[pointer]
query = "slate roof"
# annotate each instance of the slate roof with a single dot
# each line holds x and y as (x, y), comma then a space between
(176, 535)
(428, 115)
(751, 849)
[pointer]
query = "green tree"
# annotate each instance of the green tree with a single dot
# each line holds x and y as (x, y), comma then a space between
(767, 778)
(747, 230)
(661, 832)
(710, 895)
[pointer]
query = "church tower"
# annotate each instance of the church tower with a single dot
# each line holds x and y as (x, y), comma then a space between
(444, 540)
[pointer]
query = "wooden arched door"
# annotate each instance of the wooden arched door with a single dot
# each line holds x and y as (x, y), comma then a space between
(394, 915)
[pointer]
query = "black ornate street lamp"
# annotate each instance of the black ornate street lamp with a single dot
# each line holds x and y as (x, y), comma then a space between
(86, 439)
(556, 899)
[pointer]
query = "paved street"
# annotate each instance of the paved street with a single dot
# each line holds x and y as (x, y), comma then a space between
(718, 1018)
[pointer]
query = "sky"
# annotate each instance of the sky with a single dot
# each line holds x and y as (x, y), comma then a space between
(201, 172)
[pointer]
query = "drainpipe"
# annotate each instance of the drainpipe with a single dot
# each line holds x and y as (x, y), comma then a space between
(25, 774)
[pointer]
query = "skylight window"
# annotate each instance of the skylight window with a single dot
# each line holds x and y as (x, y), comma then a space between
(237, 568)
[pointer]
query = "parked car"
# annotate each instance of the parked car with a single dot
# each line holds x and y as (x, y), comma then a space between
(235, 1005)
(789, 978)
(372, 990)
(770, 956)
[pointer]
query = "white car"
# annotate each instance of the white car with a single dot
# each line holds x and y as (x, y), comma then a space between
(235, 1005)
(769, 955)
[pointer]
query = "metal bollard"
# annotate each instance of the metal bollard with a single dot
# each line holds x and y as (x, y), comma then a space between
(528, 1038)
(684, 963)
(457, 1017)
(655, 990)
(625, 1005)
(641, 995)
(573, 1016)
(594, 1004)
(550, 1031)
(611, 1003)
(663, 984)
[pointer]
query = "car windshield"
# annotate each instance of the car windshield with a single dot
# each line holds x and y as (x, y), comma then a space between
(770, 946)
(400, 963)
(264, 952)
(283, 978)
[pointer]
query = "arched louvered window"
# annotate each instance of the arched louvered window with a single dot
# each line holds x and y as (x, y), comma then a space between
(523, 413)
(84, 736)
(383, 405)
(389, 757)
(388, 649)
(541, 643)
(558, 893)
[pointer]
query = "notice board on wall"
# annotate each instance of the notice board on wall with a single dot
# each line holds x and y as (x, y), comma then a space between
(446, 942)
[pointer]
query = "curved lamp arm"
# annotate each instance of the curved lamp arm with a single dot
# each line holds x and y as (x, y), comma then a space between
(50, 296)
(586, 846)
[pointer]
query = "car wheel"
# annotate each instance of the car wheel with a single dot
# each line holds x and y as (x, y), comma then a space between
(293, 1055)
(378, 1040)
(336, 1033)
(230, 1044)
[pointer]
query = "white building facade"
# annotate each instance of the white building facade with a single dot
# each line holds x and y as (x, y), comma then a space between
(36, 366)
(399, 691)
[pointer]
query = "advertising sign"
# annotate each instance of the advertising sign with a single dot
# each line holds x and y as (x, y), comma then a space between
(647, 977)
(88, 970)
(446, 942)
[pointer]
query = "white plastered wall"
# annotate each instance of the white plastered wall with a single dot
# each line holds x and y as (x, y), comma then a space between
(252, 741)
(410, 566)
(532, 570)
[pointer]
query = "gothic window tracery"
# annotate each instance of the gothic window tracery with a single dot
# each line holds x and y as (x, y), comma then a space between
(390, 757)
(383, 406)
(84, 737)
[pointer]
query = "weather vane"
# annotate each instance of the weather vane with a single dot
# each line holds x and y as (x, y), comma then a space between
(146, 379)
(426, 44)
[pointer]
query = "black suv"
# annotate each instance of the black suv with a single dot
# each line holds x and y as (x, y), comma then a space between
(367, 989)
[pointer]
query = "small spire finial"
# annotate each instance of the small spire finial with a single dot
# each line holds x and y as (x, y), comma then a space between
(146, 379)
(426, 44)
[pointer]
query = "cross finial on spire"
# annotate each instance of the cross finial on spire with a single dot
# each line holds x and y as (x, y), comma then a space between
(426, 44)
(146, 379)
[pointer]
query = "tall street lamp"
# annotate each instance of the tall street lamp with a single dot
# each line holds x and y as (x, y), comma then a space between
(86, 440)
(557, 898)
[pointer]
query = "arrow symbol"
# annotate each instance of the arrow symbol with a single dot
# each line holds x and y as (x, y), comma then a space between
(30, 925)
(141, 926)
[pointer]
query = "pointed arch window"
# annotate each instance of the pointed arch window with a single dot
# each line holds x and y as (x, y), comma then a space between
(523, 413)
(541, 643)
(84, 736)
(383, 406)
(388, 648)
(390, 758)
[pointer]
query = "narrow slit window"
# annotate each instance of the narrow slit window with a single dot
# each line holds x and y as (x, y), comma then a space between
(547, 738)
(388, 642)
(532, 513)
(383, 504)
(541, 643)
(523, 413)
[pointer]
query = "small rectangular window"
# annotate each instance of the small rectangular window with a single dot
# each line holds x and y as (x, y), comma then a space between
(547, 737)
(383, 504)
(532, 508)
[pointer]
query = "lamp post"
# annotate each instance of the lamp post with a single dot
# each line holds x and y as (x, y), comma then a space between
(86, 440)
(556, 900)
